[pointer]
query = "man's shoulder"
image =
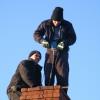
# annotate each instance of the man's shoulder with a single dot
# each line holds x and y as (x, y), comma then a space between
(46, 22)
(67, 22)
(25, 61)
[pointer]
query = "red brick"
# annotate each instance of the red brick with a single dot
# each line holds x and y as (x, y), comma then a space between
(22, 98)
(24, 89)
(52, 95)
(52, 99)
(43, 93)
(35, 88)
(52, 91)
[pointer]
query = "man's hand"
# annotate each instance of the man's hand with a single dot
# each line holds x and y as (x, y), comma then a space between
(45, 43)
(13, 88)
(61, 45)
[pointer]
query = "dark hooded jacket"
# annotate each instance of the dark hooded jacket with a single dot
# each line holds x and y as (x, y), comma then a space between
(28, 74)
(46, 30)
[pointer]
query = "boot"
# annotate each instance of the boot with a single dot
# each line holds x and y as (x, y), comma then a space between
(66, 94)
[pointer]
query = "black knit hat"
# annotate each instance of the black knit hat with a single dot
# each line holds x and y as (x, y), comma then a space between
(33, 52)
(57, 14)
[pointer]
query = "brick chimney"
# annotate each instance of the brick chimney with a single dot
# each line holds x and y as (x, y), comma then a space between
(43, 93)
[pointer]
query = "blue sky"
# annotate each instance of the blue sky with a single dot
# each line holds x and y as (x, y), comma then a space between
(20, 18)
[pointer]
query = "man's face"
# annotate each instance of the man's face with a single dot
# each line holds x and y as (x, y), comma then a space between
(36, 57)
(56, 23)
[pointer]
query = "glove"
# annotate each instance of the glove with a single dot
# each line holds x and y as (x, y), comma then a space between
(45, 43)
(61, 45)
(13, 88)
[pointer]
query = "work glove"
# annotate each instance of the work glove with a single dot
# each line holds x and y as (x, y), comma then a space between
(13, 89)
(45, 43)
(61, 45)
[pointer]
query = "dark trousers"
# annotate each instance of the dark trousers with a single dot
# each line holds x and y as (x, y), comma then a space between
(56, 64)
(14, 95)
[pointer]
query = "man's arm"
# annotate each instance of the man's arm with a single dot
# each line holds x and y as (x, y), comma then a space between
(26, 76)
(71, 35)
(39, 33)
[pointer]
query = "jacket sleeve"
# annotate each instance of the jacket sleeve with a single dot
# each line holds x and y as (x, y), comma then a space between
(38, 75)
(26, 75)
(39, 79)
(71, 36)
(39, 32)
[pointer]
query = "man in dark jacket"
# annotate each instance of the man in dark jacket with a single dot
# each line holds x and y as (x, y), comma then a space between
(27, 75)
(56, 34)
